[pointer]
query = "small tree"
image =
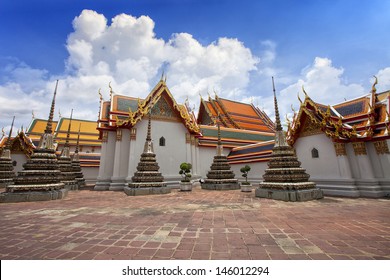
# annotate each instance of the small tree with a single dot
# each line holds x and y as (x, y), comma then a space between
(185, 171)
(244, 170)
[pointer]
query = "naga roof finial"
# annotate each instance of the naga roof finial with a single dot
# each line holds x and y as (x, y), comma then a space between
(373, 89)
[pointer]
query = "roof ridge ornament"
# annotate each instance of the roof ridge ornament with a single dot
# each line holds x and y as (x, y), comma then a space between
(111, 90)
(373, 89)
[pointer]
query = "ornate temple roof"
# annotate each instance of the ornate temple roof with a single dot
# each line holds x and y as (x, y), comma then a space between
(231, 137)
(88, 135)
(125, 111)
(362, 119)
(19, 143)
(251, 153)
(233, 114)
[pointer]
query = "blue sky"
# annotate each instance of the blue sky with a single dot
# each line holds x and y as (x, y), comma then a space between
(332, 47)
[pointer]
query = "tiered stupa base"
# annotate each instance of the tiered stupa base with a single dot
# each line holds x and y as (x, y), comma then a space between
(147, 180)
(7, 173)
(220, 177)
(289, 191)
(285, 179)
(38, 181)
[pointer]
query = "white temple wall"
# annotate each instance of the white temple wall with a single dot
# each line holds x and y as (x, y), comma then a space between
(20, 160)
(206, 156)
(323, 167)
(90, 174)
(170, 156)
(256, 173)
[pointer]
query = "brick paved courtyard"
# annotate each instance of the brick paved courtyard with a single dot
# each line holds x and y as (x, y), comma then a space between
(195, 225)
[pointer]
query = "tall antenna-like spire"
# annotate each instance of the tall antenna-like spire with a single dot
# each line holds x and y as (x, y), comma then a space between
(78, 140)
(68, 133)
(219, 135)
(278, 126)
(148, 135)
(8, 145)
(50, 120)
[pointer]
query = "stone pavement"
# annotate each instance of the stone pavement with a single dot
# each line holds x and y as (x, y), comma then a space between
(200, 224)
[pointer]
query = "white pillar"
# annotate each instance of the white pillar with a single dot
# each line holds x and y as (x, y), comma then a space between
(188, 147)
(367, 184)
(132, 160)
(121, 160)
(106, 161)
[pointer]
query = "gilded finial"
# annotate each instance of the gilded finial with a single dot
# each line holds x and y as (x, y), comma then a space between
(2, 132)
(59, 113)
(215, 94)
(303, 89)
(300, 101)
(100, 95)
(292, 108)
(209, 95)
(373, 89)
(32, 114)
(111, 90)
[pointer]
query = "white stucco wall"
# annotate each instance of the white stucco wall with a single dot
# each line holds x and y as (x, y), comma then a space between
(256, 173)
(323, 167)
(170, 156)
(20, 160)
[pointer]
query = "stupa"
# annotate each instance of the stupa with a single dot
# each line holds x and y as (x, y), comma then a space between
(76, 164)
(285, 179)
(7, 173)
(147, 179)
(65, 163)
(40, 178)
(220, 176)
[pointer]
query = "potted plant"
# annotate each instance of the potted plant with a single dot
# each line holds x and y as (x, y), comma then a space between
(185, 172)
(245, 186)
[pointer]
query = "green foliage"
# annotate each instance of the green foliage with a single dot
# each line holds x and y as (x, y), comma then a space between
(244, 170)
(185, 171)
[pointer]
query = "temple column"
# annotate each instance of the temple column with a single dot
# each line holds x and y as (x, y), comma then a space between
(344, 186)
(193, 157)
(188, 147)
(382, 150)
(367, 184)
(342, 161)
(132, 156)
(197, 157)
(120, 162)
(106, 161)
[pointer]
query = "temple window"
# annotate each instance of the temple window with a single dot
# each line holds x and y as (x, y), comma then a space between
(314, 153)
(162, 141)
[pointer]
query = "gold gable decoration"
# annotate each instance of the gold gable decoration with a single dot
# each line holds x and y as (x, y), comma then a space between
(144, 106)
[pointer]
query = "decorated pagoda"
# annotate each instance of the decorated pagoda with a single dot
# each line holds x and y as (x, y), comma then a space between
(7, 173)
(284, 179)
(220, 177)
(147, 180)
(76, 164)
(68, 177)
(41, 178)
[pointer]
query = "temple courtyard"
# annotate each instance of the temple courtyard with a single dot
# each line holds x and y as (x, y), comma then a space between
(201, 224)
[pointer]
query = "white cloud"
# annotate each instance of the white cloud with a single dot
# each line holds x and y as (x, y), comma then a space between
(383, 76)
